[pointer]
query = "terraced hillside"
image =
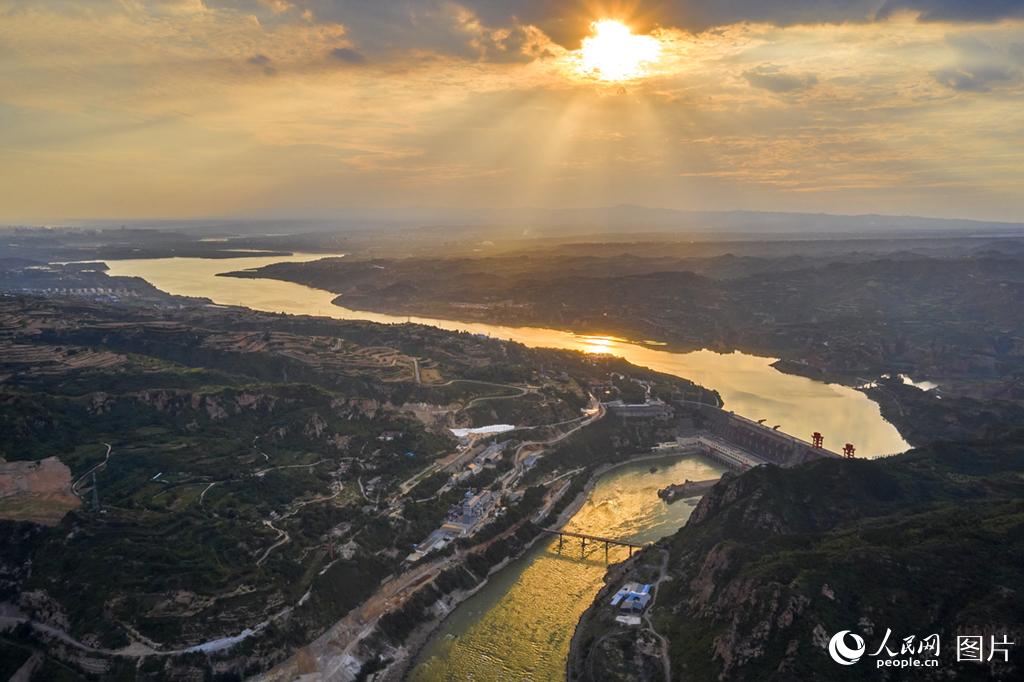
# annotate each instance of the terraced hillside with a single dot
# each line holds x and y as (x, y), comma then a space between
(237, 478)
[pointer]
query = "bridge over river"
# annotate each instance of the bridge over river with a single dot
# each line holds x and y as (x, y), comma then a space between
(583, 537)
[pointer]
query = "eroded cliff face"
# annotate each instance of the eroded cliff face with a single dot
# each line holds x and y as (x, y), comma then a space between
(774, 562)
(36, 491)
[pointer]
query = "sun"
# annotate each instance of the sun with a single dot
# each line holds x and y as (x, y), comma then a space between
(613, 53)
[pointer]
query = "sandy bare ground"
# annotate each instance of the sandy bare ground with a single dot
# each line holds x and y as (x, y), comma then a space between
(39, 492)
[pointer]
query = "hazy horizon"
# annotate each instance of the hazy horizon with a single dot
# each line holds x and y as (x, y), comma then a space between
(567, 220)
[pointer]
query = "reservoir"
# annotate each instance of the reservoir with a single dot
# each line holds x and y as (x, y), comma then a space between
(519, 625)
(748, 384)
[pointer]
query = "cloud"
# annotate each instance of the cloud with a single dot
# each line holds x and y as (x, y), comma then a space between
(263, 62)
(978, 80)
(498, 30)
(775, 80)
(440, 113)
(700, 15)
(979, 65)
(955, 10)
(348, 55)
(568, 21)
(382, 29)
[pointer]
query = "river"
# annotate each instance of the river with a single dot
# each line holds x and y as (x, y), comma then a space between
(519, 625)
(748, 384)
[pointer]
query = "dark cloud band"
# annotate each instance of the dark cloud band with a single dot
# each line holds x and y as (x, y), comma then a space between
(437, 24)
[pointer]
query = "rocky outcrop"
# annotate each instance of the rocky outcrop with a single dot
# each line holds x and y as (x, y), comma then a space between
(773, 562)
(213, 406)
(688, 488)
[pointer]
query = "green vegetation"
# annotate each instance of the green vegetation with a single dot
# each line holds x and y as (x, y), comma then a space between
(254, 465)
(927, 542)
(945, 310)
(607, 442)
(12, 657)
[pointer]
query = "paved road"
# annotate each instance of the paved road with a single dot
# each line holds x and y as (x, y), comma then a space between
(666, 665)
(333, 650)
(74, 486)
(341, 639)
(202, 495)
(282, 538)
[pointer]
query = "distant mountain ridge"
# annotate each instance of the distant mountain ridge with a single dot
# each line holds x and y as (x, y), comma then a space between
(633, 218)
(621, 218)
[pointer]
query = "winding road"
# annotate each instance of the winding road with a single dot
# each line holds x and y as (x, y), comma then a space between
(106, 459)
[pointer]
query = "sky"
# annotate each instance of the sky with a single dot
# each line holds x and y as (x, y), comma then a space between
(311, 108)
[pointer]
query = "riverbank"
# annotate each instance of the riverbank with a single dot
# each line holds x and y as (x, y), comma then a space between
(692, 304)
(778, 357)
(490, 611)
(782, 359)
(748, 384)
(737, 558)
(415, 644)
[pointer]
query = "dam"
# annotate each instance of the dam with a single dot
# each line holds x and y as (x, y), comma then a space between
(736, 443)
(739, 443)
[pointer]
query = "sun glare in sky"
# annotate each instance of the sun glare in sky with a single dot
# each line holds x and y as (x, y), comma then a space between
(315, 109)
(613, 53)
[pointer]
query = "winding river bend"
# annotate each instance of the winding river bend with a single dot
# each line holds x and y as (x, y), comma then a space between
(519, 625)
(748, 383)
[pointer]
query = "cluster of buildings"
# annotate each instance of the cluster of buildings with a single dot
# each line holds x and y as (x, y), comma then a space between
(653, 408)
(473, 511)
(466, 516)
(631, 599)
(490, 456)
(463, 519)
(103, 293)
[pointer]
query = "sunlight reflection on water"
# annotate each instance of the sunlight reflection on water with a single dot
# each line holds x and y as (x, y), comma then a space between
(747, 383)
(519, 625)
